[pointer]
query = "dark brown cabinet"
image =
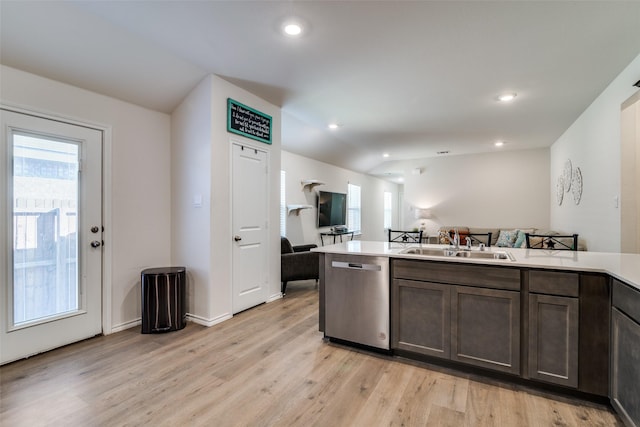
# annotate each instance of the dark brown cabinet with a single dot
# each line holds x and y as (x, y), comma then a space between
(553, 321)
(423, 313)
(625, 353)
(485, 328)
(553, 339)
(436, 312)
(543, 325)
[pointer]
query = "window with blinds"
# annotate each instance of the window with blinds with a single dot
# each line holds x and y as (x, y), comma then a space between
(353, 208)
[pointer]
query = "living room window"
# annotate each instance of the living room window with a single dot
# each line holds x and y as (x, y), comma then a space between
(283, 204)
(387, 210)
(353, 207)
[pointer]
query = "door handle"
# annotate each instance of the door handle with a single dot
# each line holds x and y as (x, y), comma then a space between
(237, 238)
(96, 244)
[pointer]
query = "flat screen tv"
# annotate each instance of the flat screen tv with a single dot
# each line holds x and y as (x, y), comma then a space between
(332, 209)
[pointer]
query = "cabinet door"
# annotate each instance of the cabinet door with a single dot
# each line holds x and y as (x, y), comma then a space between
(485, 328)
(421, 317)
(625, 367)
(553, 339)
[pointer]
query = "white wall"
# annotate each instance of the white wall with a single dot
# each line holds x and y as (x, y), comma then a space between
(138, 223)
(194, 131)
(592, 143)
(191, 179)
(303, 227)
(221, 189)
(501, 189)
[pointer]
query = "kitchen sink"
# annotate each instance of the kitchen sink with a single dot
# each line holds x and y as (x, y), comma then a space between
(459, 253)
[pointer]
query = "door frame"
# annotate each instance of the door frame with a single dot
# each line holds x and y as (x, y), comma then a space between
(247, 143)
(629, 176)
(107, 259)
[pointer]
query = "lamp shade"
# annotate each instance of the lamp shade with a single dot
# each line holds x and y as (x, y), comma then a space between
(422, 213)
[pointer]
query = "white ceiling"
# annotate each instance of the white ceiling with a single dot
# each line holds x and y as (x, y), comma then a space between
(407, 78)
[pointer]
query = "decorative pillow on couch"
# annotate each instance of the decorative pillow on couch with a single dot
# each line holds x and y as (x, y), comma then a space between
(507, 238)
(521, 240)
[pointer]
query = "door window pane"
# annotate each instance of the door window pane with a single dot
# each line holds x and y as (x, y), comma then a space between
(45, 247)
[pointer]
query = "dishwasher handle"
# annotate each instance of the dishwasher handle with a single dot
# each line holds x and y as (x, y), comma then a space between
(356, 266)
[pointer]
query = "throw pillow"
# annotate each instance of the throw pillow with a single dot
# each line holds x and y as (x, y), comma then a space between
(507, 238)
(520, 240)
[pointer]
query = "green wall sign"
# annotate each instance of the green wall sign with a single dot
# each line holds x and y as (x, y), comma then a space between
(248, 122)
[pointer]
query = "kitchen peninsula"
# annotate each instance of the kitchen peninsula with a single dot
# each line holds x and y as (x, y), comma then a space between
(564, 320)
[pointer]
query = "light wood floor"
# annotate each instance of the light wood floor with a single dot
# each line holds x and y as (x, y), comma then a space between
(268, 366)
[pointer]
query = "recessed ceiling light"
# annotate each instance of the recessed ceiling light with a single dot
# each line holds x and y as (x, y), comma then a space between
(498, 143)
(292, 28)
(507, 97)
(333, 126)
(385, 155)
(400, 179)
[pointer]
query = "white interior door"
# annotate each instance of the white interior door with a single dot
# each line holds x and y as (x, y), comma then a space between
(51, 251)
(250, 218)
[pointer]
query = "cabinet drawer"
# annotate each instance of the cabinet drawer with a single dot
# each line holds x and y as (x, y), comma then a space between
(554, 283)
(458, 274)
(627, 299)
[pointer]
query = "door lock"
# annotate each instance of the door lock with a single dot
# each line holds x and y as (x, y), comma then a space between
(237, 238)
(96, 244)
(95, 229)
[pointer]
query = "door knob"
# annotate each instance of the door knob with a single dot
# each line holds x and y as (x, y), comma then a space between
(237, 238)
(96, 244)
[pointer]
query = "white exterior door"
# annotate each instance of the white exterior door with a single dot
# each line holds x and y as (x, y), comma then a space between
(50, 234)
(250, 219)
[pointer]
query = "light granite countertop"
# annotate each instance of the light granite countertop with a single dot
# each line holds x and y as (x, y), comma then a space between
(625, 267)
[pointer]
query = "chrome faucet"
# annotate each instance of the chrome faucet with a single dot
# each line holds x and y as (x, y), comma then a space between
(468, 243)
(456, 239)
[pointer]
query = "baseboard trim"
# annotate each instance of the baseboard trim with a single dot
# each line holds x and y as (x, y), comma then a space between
(275, 297)
(208, 322)
(190, 318)
(126, 325)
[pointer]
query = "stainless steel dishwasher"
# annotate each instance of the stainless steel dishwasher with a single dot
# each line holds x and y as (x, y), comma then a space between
(357, 299)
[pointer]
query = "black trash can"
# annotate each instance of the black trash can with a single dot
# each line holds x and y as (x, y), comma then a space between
(163, 299)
